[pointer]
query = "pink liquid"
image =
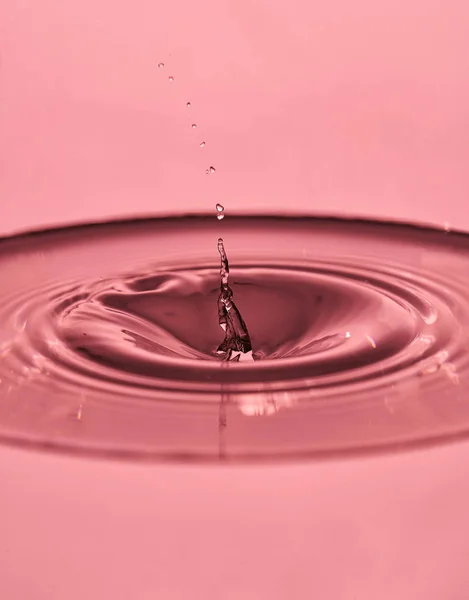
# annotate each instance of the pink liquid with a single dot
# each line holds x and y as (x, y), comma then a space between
(354, 326)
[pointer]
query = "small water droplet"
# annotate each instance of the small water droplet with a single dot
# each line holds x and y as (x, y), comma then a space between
(202, 144)
(171, 78)
(194, 126)
(188, 104)
(210, 170)
(220, 208)
(160, 65)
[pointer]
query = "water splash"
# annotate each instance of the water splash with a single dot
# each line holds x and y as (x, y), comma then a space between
(237, 344)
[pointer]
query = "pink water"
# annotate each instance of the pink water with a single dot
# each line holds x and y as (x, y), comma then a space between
(111, 338)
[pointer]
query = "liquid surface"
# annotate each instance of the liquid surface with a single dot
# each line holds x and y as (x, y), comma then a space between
(110, 338)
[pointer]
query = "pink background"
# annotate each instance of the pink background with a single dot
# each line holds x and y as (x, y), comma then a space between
(344, 107)
(341, 106)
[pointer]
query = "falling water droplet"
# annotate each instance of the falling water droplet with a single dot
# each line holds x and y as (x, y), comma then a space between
(220, 210)
(202, 144)
(194, 126)
(171, 78)
(188, 104)
(160, 65)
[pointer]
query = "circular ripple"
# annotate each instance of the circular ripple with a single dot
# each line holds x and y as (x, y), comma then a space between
(359, 329)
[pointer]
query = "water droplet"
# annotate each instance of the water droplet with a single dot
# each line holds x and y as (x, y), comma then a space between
(160, 65)
(188, 104)
(202, 144)
(194, 126)
(210, 170)
(220, 208)
(171, 78)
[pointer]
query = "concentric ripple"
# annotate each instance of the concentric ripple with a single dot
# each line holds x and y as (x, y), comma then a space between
(108, 336)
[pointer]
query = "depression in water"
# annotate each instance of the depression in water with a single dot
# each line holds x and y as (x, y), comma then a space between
(309, 338)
